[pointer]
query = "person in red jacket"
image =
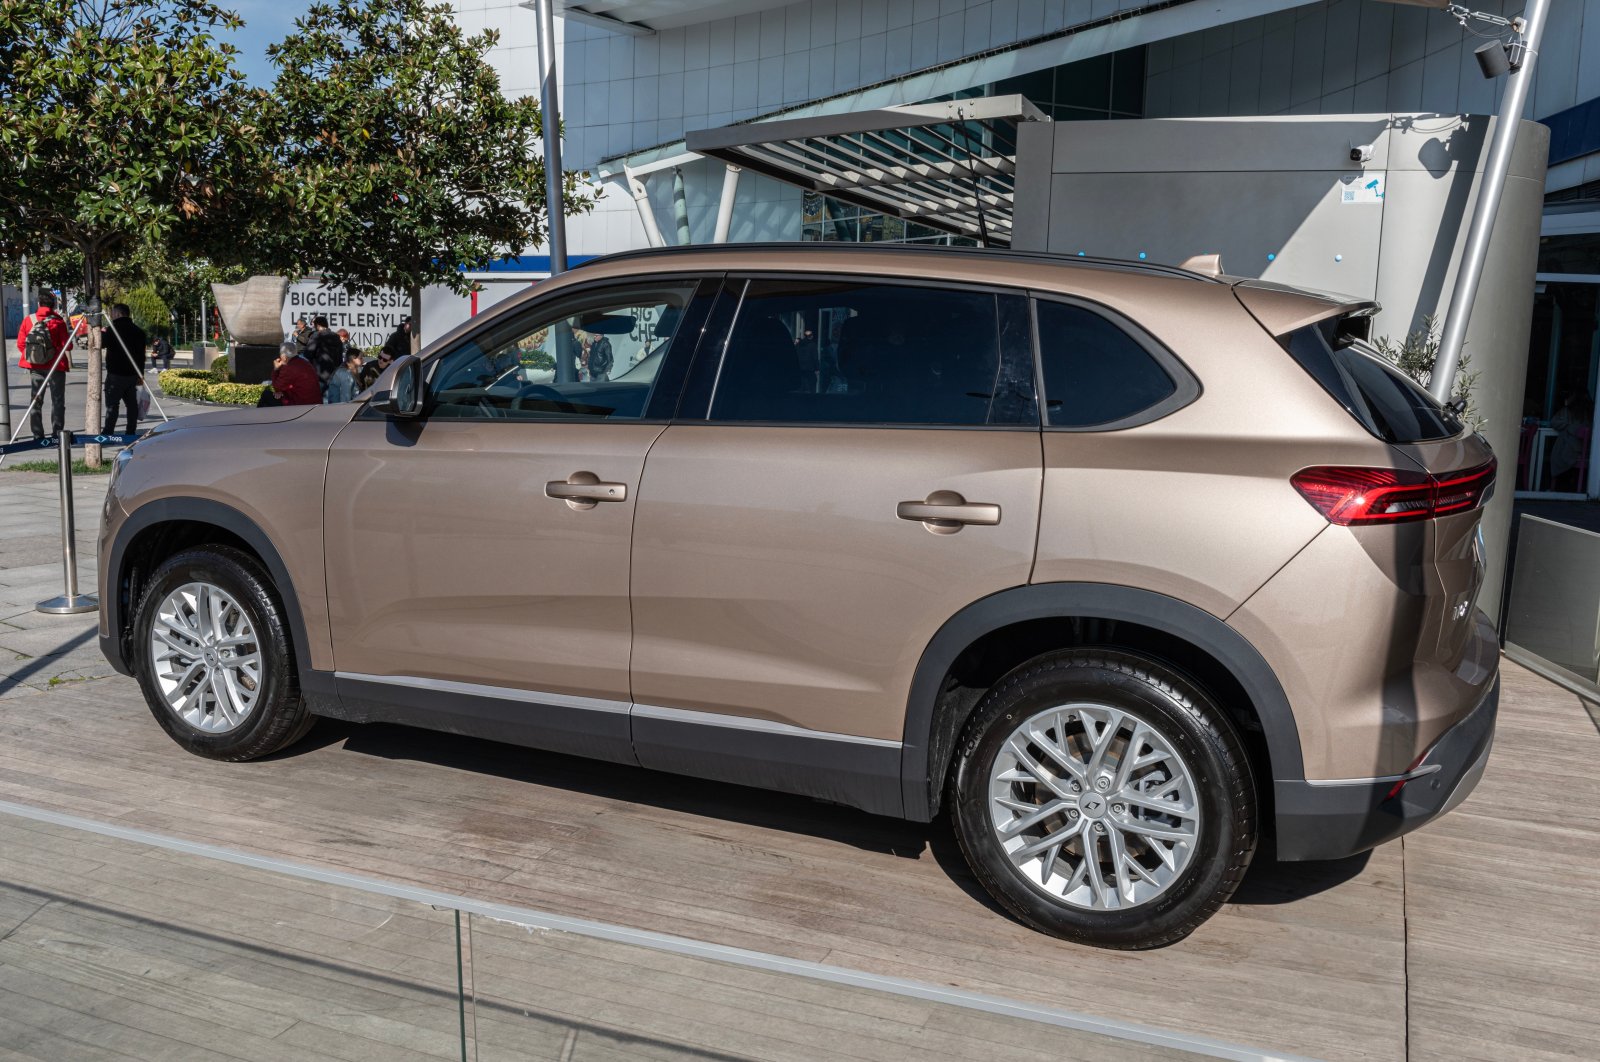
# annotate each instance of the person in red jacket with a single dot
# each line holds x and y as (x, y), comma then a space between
(53, 355)
(295, 381)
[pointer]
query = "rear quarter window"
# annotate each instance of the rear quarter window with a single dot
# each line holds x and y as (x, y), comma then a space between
(1097, 376)
(1381, 398)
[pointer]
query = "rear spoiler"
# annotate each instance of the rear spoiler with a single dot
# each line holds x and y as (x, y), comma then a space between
(1281, 309)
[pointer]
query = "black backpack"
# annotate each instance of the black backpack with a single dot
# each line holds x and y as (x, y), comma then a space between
(38, 349)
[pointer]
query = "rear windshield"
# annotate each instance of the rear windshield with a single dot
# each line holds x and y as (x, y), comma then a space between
(1387, 402)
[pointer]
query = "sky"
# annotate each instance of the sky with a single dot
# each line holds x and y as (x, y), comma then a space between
(265, 22)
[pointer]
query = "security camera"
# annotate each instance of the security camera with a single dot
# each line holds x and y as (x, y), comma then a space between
(1360, 152)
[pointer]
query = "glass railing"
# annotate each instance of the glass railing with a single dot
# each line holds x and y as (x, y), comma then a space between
(1552, 622)
(115, 943)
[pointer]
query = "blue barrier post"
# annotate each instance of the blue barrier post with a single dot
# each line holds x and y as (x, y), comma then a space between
(71, 601)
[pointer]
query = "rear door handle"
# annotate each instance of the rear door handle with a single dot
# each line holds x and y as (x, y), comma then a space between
(583, 490)
(944, 512)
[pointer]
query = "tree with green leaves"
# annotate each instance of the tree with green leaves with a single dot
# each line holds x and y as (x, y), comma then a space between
(126, 124)
(1415, 356)
(407, 162)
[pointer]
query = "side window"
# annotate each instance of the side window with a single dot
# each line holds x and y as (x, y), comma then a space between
(591, 356)
(1094, 372)
(831, 351)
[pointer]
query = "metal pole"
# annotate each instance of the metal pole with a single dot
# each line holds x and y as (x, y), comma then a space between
(730, 190)
(71, 601)
(647, 216)
(1518, 84)
(5, 376)
(550, 111)
(680, 207)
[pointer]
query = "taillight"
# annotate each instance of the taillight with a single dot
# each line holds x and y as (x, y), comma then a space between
(1360, 496)
(1467, 489)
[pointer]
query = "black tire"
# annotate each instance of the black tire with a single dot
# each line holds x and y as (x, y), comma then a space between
(279, 717)
(1187, 719)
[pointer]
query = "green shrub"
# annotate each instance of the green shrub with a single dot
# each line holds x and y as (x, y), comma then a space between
(199, 384)
(219, 369)
(148, 310)
(235, 394)
(184, 383)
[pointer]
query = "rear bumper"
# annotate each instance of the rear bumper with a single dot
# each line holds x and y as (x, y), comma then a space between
(1331, 820)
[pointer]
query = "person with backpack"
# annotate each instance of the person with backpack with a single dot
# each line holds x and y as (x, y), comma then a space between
(42, 343)
(163, 352)
(124, 344)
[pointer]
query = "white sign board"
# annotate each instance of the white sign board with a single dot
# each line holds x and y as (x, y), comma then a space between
(1361, 189)
(370, 319)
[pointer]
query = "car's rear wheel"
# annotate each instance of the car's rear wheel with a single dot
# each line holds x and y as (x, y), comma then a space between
(1101, 797)
(216, 665)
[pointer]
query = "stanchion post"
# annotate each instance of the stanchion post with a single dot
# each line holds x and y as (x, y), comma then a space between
(5, 392)
(70, 601)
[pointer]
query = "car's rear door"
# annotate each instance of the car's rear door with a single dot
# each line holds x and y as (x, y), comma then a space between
(861, 463)
(478, 558)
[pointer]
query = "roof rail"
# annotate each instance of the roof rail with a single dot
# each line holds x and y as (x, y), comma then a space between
(813, 247)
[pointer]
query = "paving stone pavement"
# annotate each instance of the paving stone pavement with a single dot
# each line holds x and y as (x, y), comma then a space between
(40, 651)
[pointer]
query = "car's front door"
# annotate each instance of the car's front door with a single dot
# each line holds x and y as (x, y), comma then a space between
(478, 557)
(867, 464)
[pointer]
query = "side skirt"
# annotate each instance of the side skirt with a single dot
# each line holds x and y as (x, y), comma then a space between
(838, 768)
(578, 726)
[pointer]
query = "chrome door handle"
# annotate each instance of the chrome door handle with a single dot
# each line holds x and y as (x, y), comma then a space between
(583, 490)
(944, 512)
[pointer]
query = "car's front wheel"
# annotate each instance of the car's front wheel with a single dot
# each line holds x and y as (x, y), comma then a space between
(1101, 797)
(216, 665)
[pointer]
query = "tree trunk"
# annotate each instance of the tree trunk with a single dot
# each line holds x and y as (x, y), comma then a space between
(93, 412)
(416, 320)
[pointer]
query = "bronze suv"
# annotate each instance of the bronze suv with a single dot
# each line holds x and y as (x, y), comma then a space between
(1126, 569)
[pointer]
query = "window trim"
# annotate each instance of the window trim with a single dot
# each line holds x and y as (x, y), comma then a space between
(742, 279)
(1186, 386)
(697, 280)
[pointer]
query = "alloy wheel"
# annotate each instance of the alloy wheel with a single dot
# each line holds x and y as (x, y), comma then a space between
(1094, 807)
(206, 658)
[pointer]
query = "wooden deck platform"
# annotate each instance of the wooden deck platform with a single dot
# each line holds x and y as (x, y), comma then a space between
(1475, 938)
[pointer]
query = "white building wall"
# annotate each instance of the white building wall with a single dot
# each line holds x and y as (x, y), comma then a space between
(1363, 57)
(621, 94)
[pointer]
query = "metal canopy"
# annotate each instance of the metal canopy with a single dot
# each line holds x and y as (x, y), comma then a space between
(938, 164)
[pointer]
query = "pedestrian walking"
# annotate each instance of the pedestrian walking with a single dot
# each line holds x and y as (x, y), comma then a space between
(294, 381)
(124, 345)
(42, 344)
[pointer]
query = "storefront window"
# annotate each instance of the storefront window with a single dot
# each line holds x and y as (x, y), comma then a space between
(1563, 359)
